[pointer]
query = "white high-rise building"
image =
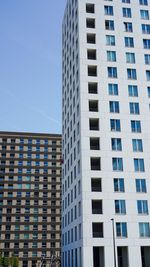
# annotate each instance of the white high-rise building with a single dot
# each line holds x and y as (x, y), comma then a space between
(106, 133)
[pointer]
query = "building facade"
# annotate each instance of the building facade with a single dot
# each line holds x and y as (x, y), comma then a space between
(30, 196)
(106, 133)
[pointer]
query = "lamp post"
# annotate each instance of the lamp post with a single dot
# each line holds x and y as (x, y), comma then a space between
(114, 245)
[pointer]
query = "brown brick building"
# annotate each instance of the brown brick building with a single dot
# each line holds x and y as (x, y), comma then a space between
(30, 196)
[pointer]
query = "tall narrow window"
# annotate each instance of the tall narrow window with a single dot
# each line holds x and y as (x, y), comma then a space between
(136, 126)
(139, 165)
(108, 10)
(142, 207)
(143, 2)
(134, 108)
(109, 25)
(117, 164)
(114, 106)
(111, 56)
(130, 57)
(146, 43)
(97, 230)
(145, 28)
(131, 74)
(148, 75)
(113, 89)
(128, 27)
(115, 125)
(137, 145)
(140, 185)
(126, 12)
(148, 91)
(120, 206)
(116, 144)
(112, 72)
(129, 41)
(110, 40)
(147, 59)
(144, 229)
(121, 229)
(90, 23)
(119, 185)
(144, 14)
(90, 8)
(133, 90)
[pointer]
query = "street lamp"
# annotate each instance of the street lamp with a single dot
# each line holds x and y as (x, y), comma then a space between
(114, 245)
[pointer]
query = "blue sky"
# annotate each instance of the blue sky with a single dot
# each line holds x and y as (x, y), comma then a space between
(30, 65)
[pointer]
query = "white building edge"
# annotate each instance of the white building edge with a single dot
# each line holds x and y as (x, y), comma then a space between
(106, 133)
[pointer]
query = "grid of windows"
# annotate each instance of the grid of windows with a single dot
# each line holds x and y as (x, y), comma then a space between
(30, 207)
(128, 88)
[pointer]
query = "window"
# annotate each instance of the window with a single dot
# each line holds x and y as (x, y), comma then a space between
(117, 164)
(131, 74)
(108, 10)
(148, 75)
(92, 88)
(93, 105)
(16, 236)
(116, 144)
(119, 185)
(26, 227)
(146, 43)
(90, 23)
(130, 57)
(34, 245)
(113, 89)
(90, 8)
(112, 72)
(121, 229)
(147, 59)
(109, 25)
(110, 40)
(114, 106)
(137, 145)
(111, 56)
(129, 41)
(115, 125)
(148, 91)
(92, 70)
(143, 2)
(34, 254)
(91, 54)
(128, 27)
(132, 90)
(27, 218)
(95, 164)
(126, 12)
(94, 124)
(97, 230)
(17, 227)
(145, 28)
(144, 14)
(120, 206)
(139, 165)
(142, 207)
(91, 38)
(140, 186)
(144, 229)
(26, 236)
(96, 185)
(94, 143)
(134, 108)
(97, 207)
(136, 126)
(126, 1)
